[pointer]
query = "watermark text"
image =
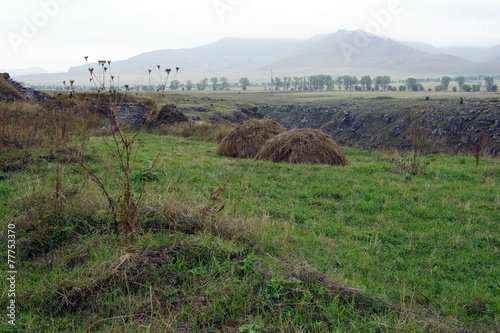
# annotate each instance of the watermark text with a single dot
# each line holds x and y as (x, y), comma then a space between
(32, 25)
(11, 274)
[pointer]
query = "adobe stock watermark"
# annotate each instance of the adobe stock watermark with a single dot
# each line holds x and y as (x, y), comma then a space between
(222, 7)
(32, 25)
(11, 274)
(380, 19)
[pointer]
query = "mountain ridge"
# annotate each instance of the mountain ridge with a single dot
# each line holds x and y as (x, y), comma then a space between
(351, 52)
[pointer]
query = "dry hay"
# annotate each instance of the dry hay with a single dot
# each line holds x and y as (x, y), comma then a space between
(303, 146)
(245, 140)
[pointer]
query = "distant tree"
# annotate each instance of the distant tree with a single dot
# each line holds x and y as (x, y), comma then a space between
(245, 82)
(330, 84)
(215, 82)
(461, 81)
(366, 82)
(189, 85)
(202, 85)
(411, 84)
(225, 83)
(445, 82)
(377, 81)
(346, 80)
(278, 83)
(385, 81)
(489, 83)
(476, 87)
(494, 88)
(354, 81)
(296, 82)
(466, 88)
(287, 81)
(339, 80)
(305, 84)
(402, 88)
(174, 85)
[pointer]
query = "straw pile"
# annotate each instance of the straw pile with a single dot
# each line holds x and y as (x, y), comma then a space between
(245, 140)
(302, 146)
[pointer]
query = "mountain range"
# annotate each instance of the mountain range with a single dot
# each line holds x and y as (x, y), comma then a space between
(345, 52)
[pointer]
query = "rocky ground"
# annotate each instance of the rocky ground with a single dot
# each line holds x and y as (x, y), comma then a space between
(29, 93)
(386, 123)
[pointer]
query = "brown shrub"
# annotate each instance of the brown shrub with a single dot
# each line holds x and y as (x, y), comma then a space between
(245, 140)
(303, 146)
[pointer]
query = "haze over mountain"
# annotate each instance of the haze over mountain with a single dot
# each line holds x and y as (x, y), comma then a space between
(343, 52)
(490, 55)
(24, 71)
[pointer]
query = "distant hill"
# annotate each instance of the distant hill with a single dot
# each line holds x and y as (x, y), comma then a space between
(25, 71)
(472, 53)
(364, 53)
(343, 52)
(422, 47)
(490, 55)
(465, 52)
(222, 56)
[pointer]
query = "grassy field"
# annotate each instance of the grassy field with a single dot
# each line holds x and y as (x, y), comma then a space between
(244, 246)
(258, 95)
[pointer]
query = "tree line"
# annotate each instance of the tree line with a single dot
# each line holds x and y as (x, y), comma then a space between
(317, 83)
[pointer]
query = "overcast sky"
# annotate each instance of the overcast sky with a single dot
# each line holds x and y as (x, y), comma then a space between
(56, 34)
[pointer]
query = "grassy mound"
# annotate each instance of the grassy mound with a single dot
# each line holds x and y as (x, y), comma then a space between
(303, 146)
(7, 92)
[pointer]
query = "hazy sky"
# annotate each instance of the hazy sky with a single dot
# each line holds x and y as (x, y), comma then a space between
(56, 34)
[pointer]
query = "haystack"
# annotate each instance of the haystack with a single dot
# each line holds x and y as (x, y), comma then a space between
(245, 140)
(303, 146)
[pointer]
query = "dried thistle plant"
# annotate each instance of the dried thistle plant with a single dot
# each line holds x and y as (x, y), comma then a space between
(123, 147)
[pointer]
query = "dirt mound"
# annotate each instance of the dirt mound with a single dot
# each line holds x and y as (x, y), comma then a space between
(245, 140)
(7, 92)
(169, 114)
(303, 146)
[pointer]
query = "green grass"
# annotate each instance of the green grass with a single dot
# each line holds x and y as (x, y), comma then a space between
(295, 248)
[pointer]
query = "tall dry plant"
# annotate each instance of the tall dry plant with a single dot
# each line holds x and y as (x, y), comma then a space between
(122, 146)
(477, 143)
(418, 133)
